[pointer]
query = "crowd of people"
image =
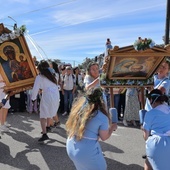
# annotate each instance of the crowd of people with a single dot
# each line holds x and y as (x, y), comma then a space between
(66, 81)
(90, 116)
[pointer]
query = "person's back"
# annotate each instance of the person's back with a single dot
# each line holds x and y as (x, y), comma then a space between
(158, 120)
(47, 83)
(92, 127)
(88, 122)
(156, 128)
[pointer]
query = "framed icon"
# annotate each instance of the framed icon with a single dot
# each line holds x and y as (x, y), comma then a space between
(127, 63)
(16, 65)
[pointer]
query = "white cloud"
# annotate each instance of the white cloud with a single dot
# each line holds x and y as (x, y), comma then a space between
(90, 11)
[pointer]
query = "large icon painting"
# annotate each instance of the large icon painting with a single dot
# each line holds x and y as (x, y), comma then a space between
(16, 64)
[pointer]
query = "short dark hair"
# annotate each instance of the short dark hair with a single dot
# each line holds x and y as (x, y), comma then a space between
(157, 96)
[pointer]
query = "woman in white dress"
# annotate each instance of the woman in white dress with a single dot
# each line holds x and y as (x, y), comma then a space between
(46, 82)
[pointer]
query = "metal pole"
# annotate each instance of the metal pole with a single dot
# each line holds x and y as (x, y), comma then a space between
(167, 23)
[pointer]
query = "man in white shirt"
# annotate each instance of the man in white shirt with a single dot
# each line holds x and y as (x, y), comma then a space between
(68, 89)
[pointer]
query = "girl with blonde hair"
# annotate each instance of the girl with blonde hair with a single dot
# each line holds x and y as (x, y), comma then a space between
(88, 122)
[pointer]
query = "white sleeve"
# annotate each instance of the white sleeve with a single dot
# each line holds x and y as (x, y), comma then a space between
(36, 88)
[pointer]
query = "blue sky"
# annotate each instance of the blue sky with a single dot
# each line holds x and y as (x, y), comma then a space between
(71, 30)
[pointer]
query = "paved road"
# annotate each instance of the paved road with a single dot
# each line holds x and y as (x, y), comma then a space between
(19, 149)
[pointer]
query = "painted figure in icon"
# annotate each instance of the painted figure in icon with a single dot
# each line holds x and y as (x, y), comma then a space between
(25, 68)
(137, 70)
(12, 63)
(124, 65)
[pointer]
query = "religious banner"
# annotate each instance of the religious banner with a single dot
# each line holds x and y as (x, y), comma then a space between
(128, 66)
(16, 65)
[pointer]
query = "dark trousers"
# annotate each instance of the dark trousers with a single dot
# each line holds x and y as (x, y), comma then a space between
(68, 100)
(18, 104)
(121, 105)
(61, 107)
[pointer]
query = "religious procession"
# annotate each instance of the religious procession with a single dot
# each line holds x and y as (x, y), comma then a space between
(56, 115)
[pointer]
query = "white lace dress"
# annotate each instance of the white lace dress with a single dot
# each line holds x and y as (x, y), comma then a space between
(50, 96)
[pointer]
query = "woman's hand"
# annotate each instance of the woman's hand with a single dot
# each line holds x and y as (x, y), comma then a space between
(114, 126)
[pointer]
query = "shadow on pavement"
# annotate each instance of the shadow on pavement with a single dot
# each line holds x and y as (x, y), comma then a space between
(20, 148)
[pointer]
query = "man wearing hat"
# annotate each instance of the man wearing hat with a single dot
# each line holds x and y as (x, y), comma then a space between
(68, 89)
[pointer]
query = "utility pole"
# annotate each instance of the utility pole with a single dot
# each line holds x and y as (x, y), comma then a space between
(167, 22)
